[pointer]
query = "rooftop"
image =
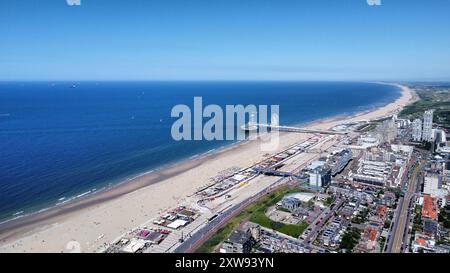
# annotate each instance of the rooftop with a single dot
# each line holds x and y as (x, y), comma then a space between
(238, 237)
(429, 210)
(301, 196)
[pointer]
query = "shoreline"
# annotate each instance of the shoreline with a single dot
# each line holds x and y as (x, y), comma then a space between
(111, 184)
(130, 188)
(120, 181)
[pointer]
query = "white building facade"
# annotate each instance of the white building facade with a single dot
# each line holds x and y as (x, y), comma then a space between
(417, 130)
(433, 186)
(427, 131)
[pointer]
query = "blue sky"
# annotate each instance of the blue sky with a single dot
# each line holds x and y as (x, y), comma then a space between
(225, 40)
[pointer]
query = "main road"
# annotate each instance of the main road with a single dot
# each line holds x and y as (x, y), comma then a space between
(400, 226)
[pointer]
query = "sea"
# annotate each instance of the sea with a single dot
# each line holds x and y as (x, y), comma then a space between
(60, 141)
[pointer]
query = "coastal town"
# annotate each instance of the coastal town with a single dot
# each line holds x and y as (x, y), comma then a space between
(375, 182)
(381, 187)
(225, 136)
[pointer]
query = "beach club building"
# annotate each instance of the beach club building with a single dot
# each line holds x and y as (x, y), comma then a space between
(293, 201)
(319, 174)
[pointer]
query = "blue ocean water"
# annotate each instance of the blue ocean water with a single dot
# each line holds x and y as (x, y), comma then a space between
(57, 141)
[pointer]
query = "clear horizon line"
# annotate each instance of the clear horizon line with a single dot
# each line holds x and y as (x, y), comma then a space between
(223, 80)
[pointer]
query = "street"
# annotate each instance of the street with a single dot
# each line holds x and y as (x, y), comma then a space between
(396, 244)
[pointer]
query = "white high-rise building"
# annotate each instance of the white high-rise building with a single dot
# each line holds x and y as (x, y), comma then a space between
(394, 117)
(427, 131)
(443, 137)
(433, 186)
(387, 131)
(417, 130)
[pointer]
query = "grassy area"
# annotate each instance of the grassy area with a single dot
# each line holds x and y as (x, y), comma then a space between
(283, 210)
(254, 213)
(349, 240)
(259, 217)
(368, 127)
(417, 224)
(430, 97)
(426, 146)
(328, 201)
(361, 217)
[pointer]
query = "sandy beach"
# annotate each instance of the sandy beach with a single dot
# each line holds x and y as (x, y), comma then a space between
(104, 216)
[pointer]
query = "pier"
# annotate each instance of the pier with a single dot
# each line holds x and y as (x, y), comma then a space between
(254, 126)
